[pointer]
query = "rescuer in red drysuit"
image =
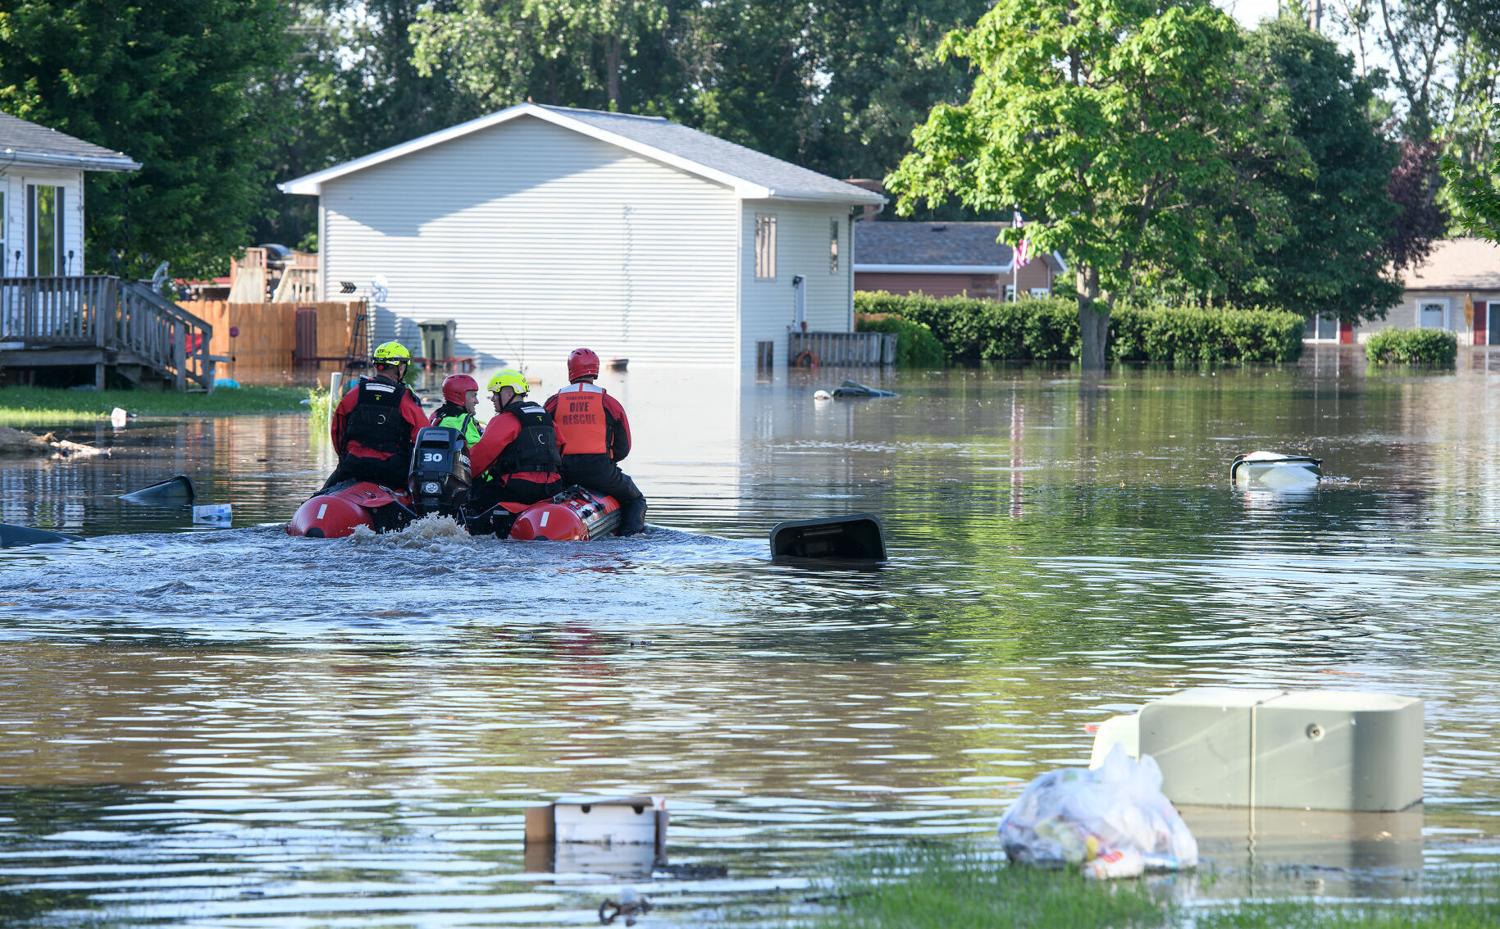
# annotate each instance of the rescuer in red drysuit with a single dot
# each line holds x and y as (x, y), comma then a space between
(593, 434)
(375, 425)
(516, 460)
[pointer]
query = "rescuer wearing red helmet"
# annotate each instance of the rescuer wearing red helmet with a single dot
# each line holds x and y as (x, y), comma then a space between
(516, 461)
(460, 400)
(593, 434)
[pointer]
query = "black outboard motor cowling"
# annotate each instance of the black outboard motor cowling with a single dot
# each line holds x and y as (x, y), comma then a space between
(439, 479)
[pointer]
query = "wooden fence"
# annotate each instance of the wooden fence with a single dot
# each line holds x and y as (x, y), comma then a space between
(283, 343)
(842, 349)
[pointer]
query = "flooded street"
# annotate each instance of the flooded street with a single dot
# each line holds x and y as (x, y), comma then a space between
(207, 727)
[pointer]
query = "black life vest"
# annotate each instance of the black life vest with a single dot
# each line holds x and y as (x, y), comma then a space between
(535, 449)
(376, 421)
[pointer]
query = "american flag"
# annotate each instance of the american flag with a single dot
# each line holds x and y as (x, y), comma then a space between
(1023, 248)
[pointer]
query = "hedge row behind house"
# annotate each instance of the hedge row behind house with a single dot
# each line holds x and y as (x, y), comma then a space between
(1046, 329)
(916, 346)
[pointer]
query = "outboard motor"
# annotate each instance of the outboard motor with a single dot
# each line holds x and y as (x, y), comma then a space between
(439, 479)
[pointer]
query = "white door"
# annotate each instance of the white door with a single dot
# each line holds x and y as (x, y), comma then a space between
(45, 240)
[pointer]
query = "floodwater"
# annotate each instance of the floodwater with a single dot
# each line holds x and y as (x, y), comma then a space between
(211, 727)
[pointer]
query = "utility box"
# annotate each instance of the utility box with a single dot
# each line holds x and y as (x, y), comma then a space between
(1313, 750)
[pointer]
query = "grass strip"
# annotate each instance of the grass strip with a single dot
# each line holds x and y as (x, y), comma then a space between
(50, 406)
(942, 887)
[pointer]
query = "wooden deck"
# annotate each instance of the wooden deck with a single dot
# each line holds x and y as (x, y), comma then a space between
(841, 349)
(104, 322)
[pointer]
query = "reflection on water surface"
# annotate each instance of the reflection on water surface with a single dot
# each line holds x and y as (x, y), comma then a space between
(238, 728)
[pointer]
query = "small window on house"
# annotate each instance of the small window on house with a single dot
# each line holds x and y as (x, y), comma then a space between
(1039, 292)
(1010, 292)
(765, 245)
(833, 246)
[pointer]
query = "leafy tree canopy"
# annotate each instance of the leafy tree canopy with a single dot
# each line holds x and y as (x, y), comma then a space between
(1102, 126)
(184, 88)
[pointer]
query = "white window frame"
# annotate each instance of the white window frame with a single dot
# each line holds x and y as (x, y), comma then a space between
(33, 196)
(1010, 293)
(1447, 312)
(1338, 327)
(833, 246)
(1039, 292)
(765, 246)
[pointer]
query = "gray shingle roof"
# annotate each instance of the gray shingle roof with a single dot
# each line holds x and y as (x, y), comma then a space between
(752, 173)
(903, 243)
(23, 142)
(785, 179)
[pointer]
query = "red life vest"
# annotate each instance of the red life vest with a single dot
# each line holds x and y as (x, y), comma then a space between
(582, 428)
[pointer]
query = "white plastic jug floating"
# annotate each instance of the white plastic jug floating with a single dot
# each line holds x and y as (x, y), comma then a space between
(213, 513)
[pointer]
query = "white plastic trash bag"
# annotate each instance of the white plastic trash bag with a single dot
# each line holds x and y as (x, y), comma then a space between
(1113, 820)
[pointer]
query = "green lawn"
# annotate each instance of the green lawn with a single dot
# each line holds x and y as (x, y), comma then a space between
(936, 887)
(46, 406)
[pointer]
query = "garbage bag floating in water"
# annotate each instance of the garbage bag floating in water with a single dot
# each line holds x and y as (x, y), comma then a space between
(857, 537)
(174, 491)
(1274, 471)
(17, 536)
(1114, 821)
(853, 390)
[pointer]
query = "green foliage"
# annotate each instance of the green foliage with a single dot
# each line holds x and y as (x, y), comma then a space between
(1475, 198)
(1437, 347)
(916, 346)
(943, 886)
(1102, 129)
(1322, 249)
(182, 86)
(1046, 330)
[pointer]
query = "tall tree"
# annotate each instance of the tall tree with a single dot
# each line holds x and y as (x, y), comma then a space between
(182, 86)
(1327, 251)
(352, 89)
(1103, 125)
(1475, 195)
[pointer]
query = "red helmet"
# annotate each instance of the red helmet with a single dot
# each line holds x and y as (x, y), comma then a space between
(582, 363)
(455, 386)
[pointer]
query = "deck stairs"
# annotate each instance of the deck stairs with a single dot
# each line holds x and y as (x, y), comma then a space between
(115, 326)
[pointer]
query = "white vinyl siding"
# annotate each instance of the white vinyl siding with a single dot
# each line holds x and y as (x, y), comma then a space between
(537, 240)
(768, 307)
(13, 185)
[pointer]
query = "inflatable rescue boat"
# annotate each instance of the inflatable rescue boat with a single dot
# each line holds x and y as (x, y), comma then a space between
(438, 483)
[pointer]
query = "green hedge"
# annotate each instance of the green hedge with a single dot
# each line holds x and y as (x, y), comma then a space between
(916, 346)
(1413, 347)
(1046, 329)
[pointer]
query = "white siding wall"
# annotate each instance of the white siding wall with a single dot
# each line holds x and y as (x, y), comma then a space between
(538, 240)
(767, 307)
(13, 183)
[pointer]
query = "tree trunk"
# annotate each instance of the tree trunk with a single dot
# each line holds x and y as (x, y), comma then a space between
(1093, 320)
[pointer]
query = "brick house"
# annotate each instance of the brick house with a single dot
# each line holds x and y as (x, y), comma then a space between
(947, 260)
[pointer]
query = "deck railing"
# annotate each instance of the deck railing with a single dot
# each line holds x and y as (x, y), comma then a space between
(842, 349)
(98, 311)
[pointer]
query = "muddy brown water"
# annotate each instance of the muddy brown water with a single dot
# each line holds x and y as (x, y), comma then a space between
(209, 727)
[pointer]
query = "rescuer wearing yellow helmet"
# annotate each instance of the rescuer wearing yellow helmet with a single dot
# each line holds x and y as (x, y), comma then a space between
(518, 451)
(375, 425)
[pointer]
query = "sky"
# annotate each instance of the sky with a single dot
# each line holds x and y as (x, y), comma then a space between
(1248, 12)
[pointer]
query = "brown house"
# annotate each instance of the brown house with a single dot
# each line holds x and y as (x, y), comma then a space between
(946, 260)
(1457, 288)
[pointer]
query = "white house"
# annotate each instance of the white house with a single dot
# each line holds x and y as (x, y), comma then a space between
(540, 228)
(41, 197)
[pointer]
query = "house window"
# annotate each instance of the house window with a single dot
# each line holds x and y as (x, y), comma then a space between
(833, 246)
(1432, 314)
(44, 223)
(1039, 291)
(3, 264)
(1010, 292)
(765, 245)
(1323, 327)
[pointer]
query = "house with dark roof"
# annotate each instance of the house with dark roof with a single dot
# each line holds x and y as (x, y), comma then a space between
(540, 228)
(41, 196)
(947, 260)
(1456, 288)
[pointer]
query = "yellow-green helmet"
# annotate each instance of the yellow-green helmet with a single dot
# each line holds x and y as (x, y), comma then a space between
(508, 377)
(392, 353)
